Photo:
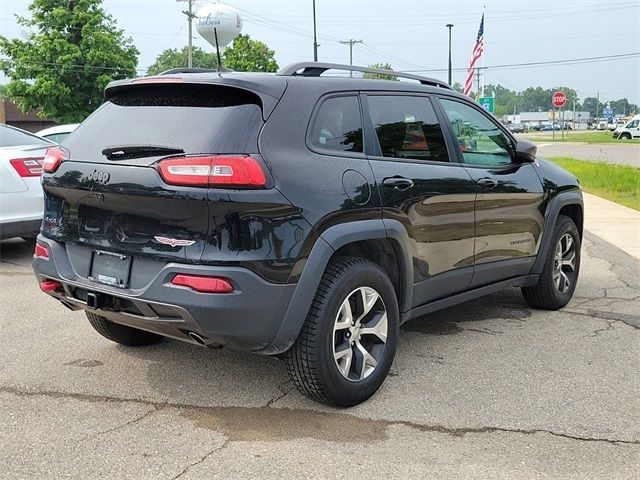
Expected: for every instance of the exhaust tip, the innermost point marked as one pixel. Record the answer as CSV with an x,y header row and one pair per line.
x,y
196,338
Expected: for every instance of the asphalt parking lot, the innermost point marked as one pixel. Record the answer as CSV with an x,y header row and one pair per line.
x,y
488,389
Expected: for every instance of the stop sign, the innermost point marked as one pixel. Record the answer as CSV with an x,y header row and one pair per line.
x,y
559,99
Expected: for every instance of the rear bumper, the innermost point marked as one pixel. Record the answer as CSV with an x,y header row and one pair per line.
x,y
24,228
247,319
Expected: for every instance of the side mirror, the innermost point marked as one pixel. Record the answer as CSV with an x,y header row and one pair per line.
x,y
526,151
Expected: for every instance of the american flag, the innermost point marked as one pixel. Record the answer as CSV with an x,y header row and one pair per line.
x,y
475,56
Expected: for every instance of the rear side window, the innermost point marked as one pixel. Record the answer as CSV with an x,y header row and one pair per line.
x,y
337,127
194,118
407,127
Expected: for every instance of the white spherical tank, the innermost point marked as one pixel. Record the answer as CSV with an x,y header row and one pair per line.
x,y
219,19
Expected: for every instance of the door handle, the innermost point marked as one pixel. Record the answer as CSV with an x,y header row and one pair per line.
x,y
399,183
488,183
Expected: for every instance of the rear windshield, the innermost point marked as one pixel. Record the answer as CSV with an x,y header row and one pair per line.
x,y
194,118
10,137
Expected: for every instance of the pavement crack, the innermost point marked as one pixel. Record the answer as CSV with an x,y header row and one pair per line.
x,y
460,432
202,459
285,387
319,418
609,317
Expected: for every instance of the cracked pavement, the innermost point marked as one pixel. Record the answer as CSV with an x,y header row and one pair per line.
x,y
487,389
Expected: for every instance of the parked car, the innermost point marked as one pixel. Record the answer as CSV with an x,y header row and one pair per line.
x,y
517,128
21,200
58,133
310,219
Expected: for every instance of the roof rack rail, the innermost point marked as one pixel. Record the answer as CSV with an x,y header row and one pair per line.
x,y
173,71
315,69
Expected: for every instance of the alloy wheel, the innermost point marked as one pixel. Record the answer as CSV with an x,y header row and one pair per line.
x,y
564,263
360,334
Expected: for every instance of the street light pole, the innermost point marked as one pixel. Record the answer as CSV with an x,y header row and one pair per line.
x,y
449,26
315,40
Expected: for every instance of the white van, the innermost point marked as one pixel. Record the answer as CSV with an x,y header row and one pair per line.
x,y
630,130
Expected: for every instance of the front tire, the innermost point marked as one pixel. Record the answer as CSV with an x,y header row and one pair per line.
x,y
132,337
348,341
561,268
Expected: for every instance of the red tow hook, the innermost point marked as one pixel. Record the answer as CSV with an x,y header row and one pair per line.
x,y
50,286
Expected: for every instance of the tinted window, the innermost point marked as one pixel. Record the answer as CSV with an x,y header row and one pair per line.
x,y
481,140
10,137
407,127
195,118
338,125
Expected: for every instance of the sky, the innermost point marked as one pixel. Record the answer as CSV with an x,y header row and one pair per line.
x,y
411,35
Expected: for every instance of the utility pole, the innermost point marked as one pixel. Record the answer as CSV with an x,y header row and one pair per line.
x,y
315,39
190,16
351,42
449,26
478,81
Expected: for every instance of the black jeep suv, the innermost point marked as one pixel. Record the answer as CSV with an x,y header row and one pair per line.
x,y
298,214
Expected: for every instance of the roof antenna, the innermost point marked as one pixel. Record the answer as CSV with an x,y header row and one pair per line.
x,y
220,67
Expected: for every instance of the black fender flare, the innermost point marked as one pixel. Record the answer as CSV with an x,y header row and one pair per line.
x,y
573,197
327,244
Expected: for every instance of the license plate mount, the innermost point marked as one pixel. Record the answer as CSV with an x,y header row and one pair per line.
x,y
110,268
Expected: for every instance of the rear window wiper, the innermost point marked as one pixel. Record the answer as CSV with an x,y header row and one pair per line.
x,y
120,152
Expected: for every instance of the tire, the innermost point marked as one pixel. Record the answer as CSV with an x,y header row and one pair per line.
x,y
122,334
552,291
625,136
349,284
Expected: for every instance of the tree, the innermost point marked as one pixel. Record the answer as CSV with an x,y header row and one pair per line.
x,y
174,58
247,55
380,66
73,49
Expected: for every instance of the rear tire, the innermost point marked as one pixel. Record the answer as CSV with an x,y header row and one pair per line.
x,y
561,268
348,341
122,334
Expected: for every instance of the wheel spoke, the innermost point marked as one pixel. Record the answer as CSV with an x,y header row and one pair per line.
x,y
564,282
344,358
568,243
369,299
345,316
570,260
377,327
366,362
556,280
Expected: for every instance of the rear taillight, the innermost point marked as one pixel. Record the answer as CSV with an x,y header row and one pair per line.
x,y
53,158
203,284
28,167
41,251
214,171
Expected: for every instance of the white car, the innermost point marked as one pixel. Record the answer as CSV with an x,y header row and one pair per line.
x,y
21,199
58,133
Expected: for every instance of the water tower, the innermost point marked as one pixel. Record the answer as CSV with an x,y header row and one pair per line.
x,y
218,24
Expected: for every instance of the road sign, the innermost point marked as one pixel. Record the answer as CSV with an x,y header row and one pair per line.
x,y
559,99
488,103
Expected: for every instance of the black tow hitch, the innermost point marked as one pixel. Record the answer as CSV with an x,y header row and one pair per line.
x,y
98,300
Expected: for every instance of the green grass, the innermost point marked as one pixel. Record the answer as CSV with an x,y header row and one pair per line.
x,y
618,183
585,137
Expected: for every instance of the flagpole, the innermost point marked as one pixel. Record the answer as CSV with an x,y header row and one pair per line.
x,y
484,48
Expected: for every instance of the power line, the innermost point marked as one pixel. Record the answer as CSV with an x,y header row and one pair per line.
x,y
570,61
